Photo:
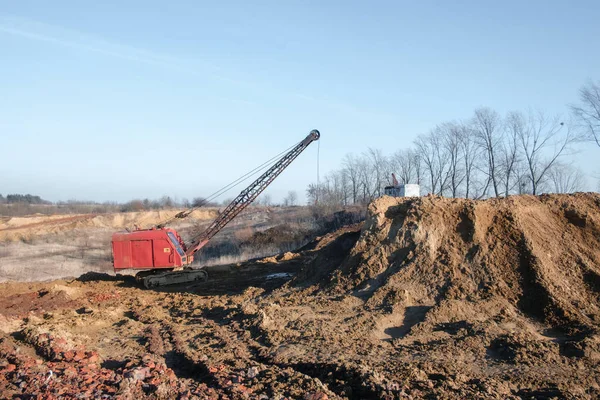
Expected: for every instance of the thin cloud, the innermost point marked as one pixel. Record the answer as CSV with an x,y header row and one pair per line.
x,y
59,36
76,40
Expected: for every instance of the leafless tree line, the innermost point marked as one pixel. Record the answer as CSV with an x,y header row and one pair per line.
x,y
488,155
587,111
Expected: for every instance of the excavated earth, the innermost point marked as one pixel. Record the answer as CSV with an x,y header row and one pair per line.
x,y
430,298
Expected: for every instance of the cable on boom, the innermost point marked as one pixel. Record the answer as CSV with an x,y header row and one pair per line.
x,y
224,189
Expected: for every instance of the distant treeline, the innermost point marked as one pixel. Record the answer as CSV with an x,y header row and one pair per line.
x,y
165,202
22,198
13,205
133,205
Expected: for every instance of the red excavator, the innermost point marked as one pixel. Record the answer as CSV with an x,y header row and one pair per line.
x,y
159,253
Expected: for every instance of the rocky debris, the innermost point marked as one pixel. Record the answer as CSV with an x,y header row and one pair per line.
x,y
316,396
252,372
80,374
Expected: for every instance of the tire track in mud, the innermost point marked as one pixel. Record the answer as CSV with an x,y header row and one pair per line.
x,y
210,349
343,380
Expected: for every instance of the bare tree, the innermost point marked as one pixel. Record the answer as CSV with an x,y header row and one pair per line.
x,y
587,112
566,178
470,154
543,141
486,124
514,126
366,179
334,190
387,172
378,165
352,171
405,165
596,176
265,199
424,149
312,193
523,186
166,202
291,198
346,188
452,146
434,158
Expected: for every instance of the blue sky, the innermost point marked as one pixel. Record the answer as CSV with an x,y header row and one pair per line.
x,y
117,100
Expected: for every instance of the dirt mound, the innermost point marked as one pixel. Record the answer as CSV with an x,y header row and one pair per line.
x,y
535,256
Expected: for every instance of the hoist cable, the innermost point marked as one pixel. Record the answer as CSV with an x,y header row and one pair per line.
x,y
229,186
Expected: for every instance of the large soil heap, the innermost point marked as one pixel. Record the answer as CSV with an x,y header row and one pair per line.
x,y
535,258
432,297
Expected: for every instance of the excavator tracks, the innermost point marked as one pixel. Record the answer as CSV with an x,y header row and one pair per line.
x,y
172,278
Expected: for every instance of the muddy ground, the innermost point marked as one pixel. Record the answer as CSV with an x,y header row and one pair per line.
x,y
430,298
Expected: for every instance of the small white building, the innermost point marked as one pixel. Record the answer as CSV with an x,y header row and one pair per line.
x,y
403,190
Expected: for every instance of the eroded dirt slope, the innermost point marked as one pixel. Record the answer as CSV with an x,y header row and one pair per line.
x,y
433,298
26,228
538,257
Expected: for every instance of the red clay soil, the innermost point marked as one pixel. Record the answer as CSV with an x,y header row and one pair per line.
x,y
431,298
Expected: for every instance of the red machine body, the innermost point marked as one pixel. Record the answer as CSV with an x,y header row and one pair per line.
x,y
149,249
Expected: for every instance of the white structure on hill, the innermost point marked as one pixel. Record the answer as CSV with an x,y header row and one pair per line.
x,y
402,190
